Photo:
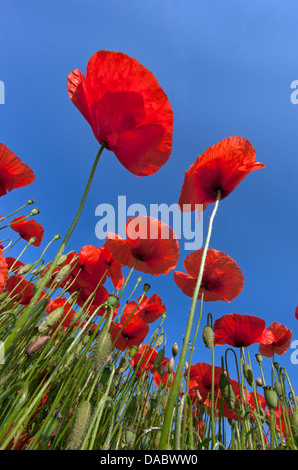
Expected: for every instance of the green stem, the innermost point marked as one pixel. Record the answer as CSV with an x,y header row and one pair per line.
x,y
176,384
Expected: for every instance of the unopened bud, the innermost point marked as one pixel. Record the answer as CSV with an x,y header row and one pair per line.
x,y
208,336
175,349
248,374
259,382
146,287
259,358
171,365
270,396
34,211
158,359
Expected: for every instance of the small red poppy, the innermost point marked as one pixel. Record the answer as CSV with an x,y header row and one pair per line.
x,y
150,242
3,271
296,313
131,334
28,229
280,342
240,330
13,172
126,109
20,287
222,277
221,167
145,359
148,309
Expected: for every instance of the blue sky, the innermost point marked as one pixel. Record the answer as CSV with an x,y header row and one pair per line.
x,y
227,69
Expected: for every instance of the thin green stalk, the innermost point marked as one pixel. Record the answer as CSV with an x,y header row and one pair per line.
x,y
176,384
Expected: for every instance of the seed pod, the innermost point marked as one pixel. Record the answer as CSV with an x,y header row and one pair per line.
x,y
51,320
80,425
37,344
133,351
158,359
146,288
51,426
227,390
102,347
208,336
62,273
112,300
248,374
270,396
175,349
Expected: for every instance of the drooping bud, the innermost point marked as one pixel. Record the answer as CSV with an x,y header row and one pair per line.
x,y
159,341
102,347
227,390
51,320
158,359
146,288
34,211
51,426
278,388
248,374
208,336
62,273
171,365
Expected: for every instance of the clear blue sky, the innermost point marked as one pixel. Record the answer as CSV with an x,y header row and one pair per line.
x,y
227,68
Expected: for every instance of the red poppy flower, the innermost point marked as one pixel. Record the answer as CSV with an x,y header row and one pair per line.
x,y
28,229
13,172
296,313
148,309
222,277
12,261
222,166
99,295
240,330
89,270
132,334
154,245
114,271
145,359
158,379
68,312
20,287
126,109
280,343
3,271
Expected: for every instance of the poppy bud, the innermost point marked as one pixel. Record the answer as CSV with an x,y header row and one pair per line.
x,y
37,284
51,320
159,341
146,287
259,382
158,359
51,425
130,436
25,269
57,237
61,260
259,358
248,374
208,336
227,390
105,376
294,425
278,388
62,273
276,366
171,365
161,370
80,425
270,396
175,349
101,349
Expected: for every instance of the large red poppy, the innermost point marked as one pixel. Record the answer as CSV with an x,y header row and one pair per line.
x,y
240,330
222,277
280,342
221,167
3,271
150,242
126,109
130,334
28,229
13,172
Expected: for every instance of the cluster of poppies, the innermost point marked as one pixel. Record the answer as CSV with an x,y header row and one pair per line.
x,y
130,115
